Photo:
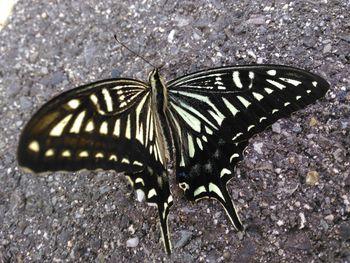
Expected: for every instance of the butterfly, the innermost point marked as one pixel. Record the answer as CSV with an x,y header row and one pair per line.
x,y
200,122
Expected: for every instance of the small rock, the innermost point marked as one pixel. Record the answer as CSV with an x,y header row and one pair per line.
x,y
327,48
344,231
313,122
276,127
298,241
312,178
324,224
104,189
329,218
184,239
132,242
338,155
257,147
302,220
25,103
115,73
256,20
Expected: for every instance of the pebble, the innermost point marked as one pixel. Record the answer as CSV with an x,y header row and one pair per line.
x,y
344,231
312,178
313,122
327,48
132,242
184,239
276,127
329,218
256,20
257,147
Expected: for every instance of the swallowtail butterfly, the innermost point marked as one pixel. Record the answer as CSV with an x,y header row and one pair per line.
x,y
202,121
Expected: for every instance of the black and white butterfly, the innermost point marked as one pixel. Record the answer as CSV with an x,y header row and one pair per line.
x,y
202,121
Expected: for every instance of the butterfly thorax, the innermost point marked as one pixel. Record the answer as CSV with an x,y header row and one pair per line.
x,y
159,91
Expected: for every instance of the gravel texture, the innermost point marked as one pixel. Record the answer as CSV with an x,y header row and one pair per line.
x,y
292,189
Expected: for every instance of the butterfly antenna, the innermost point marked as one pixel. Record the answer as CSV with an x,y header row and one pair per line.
x,y
134,53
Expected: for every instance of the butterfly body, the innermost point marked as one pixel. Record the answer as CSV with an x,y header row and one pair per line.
x,y
202,122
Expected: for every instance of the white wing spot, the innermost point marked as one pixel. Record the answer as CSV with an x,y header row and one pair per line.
x,y
233,156
128,128
225,171
204,138
130,181
124,160
274,111
58,129
291,81
90,126
209,131
308,91
298,97
199,142
34,146
245,102
214,188
184,186
276,84
151,193
49,153
237,135
104,128
66,153
271,72
108,99
250,127
116,130
236,79
199,190
268,90
251,76
231,108
84,154
139,180
314,83
182,162
94,99
77,123
258,96
286,104
113,157
262,118
137,163
191,149
74,103
99,155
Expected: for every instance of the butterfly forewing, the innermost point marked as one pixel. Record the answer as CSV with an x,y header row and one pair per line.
x,y
215,112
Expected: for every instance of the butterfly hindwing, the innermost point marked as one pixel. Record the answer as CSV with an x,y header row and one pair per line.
x,y
215,112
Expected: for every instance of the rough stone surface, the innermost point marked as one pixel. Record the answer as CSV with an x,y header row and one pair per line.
x,y
51,46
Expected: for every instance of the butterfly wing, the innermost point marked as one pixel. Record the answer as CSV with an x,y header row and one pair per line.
x,y
214,113
106,125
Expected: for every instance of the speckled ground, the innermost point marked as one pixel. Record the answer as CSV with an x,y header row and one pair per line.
x,y
51,46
